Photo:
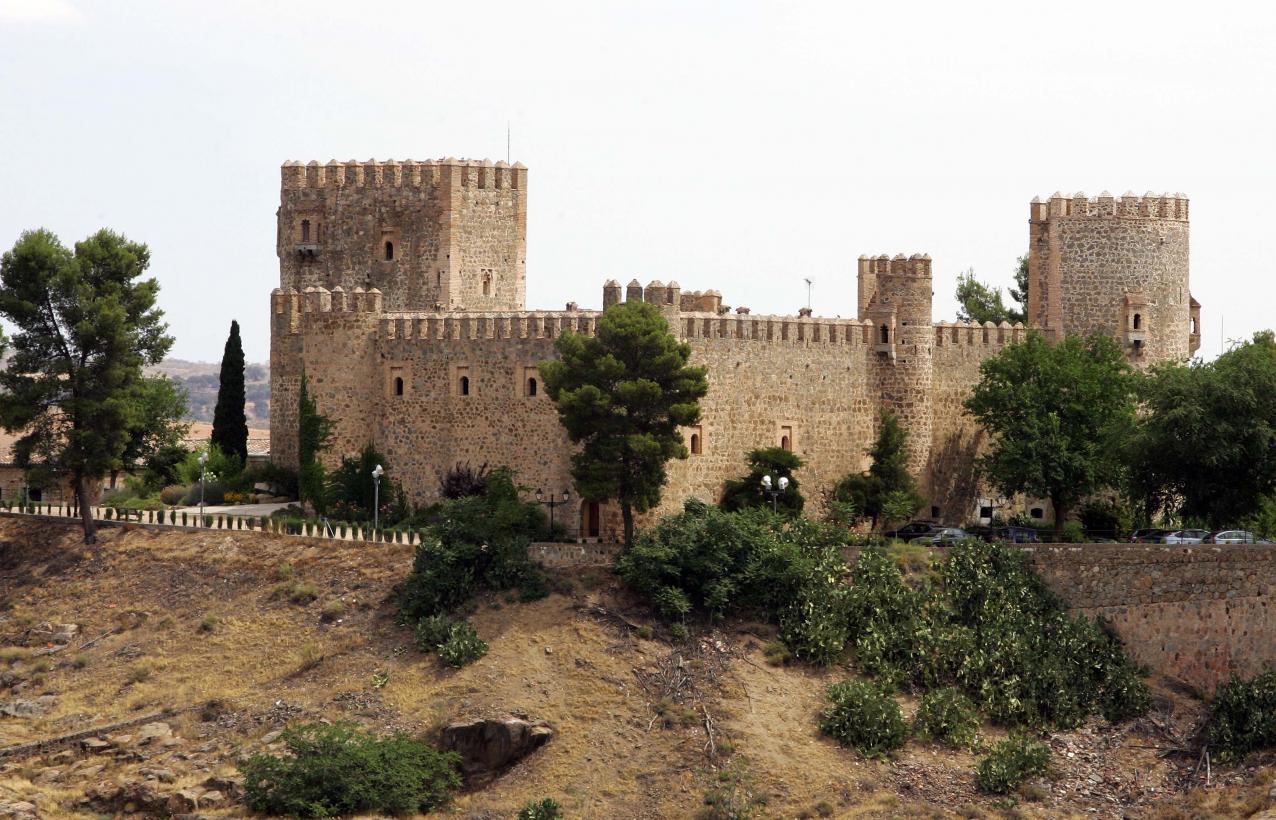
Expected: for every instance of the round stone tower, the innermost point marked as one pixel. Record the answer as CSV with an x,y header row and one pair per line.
x,y
1117,266
900,308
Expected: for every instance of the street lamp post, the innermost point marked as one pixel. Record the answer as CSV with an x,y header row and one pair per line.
x,y
774,489
203,465
551,501
377,472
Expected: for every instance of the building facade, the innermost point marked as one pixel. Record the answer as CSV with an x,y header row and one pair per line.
x,y
401,298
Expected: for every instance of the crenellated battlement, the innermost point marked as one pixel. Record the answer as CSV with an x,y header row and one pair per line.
x,y
798,329
916,265
974,334
1129,206
431,173
537,324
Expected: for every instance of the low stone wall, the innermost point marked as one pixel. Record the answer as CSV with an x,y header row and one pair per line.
x,y
564,556
1195,612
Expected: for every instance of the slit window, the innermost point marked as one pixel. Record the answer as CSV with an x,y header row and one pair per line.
x,y
389,251
1138,322
885,333
305,230
531,386
398,385
464,385
695,444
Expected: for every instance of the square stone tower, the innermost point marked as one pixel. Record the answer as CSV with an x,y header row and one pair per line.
x,y
446,235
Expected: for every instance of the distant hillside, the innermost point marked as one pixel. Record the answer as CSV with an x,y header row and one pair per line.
x,y
201,379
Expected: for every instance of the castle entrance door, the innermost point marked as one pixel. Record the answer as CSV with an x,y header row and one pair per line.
x,y
589,524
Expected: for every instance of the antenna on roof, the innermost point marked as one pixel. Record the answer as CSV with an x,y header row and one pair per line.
x,y
808,292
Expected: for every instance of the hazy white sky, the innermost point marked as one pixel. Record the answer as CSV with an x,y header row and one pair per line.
x,y
741,146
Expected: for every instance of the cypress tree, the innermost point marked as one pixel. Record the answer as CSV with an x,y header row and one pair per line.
x,y
230,425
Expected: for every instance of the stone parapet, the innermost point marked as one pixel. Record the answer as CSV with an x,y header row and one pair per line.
x,y
973,334
1149,206
430,173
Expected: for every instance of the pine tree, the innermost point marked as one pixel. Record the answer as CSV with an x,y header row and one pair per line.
x,y
230,425
85,324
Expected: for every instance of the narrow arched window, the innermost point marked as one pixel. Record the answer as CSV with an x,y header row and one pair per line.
x,y
531,387
305,230
465,385
886,334
1196,326
398,385
784,443
695,444
487,284
1138,321
389,251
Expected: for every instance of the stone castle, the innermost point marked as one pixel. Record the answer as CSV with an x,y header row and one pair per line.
x,y
401,297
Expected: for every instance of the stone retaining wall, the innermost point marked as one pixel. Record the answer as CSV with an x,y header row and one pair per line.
x,y
1196,612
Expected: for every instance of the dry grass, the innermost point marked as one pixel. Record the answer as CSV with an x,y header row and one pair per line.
x,y
610,759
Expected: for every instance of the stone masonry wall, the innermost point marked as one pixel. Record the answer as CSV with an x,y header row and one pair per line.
x,y
1196,612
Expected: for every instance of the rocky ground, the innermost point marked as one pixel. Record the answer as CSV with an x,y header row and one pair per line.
x,y
135,673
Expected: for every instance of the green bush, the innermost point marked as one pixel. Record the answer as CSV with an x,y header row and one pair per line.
x,y
716,563
333,770
546,809
173,494
214,494
432,631
947,716
745,493
472,543
1243,715
864,716
1072,532
1011,762
989,626
462,646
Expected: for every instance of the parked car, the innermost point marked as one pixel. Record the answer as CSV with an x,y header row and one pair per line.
x,y
1184,537
1148,536
1017,535
946,535
1234,537
914,530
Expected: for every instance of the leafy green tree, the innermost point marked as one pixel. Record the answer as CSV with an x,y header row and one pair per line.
x,y
314,433
742,493
230,425
887,491
1056,413
980,302
85,326
1020,291
159,429
350,493
622,395
1205,447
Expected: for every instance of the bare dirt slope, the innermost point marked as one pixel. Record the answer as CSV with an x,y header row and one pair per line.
x,y
246,632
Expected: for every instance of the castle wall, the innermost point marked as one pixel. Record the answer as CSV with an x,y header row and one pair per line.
x,y
773,379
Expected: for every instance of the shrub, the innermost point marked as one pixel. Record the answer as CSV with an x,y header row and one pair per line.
x,y
462,645
545,809
743,493
864,716
716,563
472,543
336,769
214,493
1011,762
1072,532
1243,715
463,481
432,631
948,716
350,492
332,610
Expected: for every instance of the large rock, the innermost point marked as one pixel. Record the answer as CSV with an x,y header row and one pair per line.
x,y
490,746
50,633
28,708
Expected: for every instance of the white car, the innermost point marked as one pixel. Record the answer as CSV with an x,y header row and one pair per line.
x,y
1185,537
1235,537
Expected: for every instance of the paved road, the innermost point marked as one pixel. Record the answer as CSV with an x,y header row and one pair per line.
x,y
250,510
